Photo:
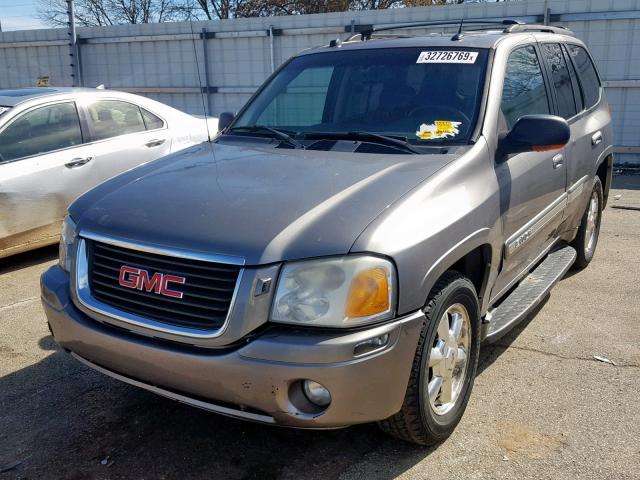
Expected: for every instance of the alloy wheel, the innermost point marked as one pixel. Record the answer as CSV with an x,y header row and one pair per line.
x,y
449,359
591,232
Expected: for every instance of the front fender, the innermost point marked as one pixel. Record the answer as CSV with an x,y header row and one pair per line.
x,y
437,223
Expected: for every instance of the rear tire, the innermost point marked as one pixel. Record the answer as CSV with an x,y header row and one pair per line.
x,y
587,237
444,366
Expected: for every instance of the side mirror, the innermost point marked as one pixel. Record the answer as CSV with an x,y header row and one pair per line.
x,y
224,120
535,133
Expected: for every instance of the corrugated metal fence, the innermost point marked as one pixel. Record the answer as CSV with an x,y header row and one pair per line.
x,y
228,59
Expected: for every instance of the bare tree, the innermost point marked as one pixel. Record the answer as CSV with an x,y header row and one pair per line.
x,y
219,8
264,8
112,12
261,8
424,3
96,13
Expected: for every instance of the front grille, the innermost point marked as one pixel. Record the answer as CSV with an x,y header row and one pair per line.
x,y
207,290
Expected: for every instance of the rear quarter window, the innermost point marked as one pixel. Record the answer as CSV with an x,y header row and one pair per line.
x,y
151,121
589,79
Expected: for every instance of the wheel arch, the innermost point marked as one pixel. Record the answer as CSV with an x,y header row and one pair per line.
x,y
473,257
604,171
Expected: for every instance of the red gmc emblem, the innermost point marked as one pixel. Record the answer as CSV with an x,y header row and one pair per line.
x,y
139,279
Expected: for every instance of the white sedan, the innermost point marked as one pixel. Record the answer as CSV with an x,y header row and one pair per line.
x,y
57,143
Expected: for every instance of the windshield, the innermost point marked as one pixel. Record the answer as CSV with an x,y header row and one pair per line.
x,y
424,96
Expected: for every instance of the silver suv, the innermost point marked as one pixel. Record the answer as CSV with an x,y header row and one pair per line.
x,y
338,254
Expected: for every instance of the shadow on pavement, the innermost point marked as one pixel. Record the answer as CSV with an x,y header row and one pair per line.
x,y
28,259
60,419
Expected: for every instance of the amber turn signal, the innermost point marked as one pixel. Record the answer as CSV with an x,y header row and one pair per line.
x,y
369,294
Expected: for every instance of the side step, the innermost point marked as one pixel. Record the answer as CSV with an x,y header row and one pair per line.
x,y
529,293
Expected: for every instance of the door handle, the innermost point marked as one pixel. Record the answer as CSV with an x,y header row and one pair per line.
x,y
558,161
78,162
155,143
596,138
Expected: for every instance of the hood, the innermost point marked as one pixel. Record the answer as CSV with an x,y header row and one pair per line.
x,y
261,203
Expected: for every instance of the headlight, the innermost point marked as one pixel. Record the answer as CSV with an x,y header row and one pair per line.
x,y
335,292
67,237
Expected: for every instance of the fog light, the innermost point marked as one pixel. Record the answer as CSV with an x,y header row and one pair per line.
x,y
316,393
371,345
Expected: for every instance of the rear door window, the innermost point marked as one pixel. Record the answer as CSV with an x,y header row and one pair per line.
x,y
524,91
561,79
41,130
112,118
587,73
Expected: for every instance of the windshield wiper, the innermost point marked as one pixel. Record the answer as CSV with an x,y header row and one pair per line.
x,y
366,137
279,134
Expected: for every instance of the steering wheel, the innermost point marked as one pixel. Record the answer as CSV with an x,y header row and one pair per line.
x,y
431,113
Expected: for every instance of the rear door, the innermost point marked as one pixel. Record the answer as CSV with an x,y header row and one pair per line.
x,y
532,184
44,166
590,129
124,136
568,105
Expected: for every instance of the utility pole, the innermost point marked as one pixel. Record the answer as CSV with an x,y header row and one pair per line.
x,y
74,53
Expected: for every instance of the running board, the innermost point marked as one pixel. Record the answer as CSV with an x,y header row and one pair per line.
x,y
528,294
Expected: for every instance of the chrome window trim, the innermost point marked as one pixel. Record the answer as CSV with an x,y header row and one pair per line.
x,y
83,291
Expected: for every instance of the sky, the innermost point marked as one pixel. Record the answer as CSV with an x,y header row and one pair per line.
x,y
19,15
23,15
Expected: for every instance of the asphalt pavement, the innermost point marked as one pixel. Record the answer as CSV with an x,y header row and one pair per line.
x,y
558,397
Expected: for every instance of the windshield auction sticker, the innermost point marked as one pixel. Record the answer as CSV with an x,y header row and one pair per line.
x,y
438,129
447,56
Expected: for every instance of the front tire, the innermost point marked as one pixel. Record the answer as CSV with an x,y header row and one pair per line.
x,y
587,237
444,366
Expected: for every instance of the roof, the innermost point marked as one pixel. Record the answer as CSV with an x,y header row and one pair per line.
x,y
469,38
11,98
484,40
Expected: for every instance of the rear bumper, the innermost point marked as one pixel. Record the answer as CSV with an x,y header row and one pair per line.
x,y
259,380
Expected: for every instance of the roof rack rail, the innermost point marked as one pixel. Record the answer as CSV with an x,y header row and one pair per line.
x,y
537,28
366,34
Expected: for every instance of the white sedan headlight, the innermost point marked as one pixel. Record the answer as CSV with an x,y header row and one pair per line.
x,y
67,238
335,292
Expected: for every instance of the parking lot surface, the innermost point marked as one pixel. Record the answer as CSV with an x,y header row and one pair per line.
x,y
543,405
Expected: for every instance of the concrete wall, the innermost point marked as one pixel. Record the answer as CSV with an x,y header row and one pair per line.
x,y
173,63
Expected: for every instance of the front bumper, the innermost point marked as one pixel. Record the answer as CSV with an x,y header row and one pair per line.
x,y
258,380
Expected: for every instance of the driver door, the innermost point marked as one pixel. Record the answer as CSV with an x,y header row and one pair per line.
x,y
532,184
